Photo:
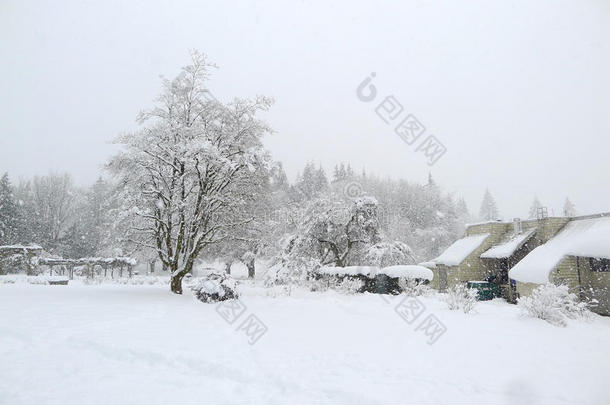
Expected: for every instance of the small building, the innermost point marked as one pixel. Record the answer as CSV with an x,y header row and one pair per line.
x,y
518,256
578,256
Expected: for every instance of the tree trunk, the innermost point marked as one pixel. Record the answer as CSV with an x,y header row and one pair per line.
x,y
251,269
228,268
176,284
176,281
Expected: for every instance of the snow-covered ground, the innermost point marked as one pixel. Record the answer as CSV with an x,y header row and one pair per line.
x,y
121,344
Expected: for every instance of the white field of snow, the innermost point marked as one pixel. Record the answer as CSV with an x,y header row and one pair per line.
x,y
120,344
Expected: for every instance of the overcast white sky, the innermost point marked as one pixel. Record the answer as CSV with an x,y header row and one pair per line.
x,y
518,91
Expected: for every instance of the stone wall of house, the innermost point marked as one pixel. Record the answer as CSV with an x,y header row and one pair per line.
x,y
473,268
566,273
589,286
525,289
571,271
549,227
476,269
595,286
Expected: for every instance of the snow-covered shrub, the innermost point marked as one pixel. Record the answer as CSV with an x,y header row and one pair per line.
x,y
215,287
554,304
321,284
333,240
387,254
461,297
348,285
341,284
414,287
289,272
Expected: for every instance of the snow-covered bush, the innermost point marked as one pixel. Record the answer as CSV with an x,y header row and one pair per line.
x,y
387,254
461,297
554,304
414,287
334,240
288,271
215,287
321,284
341,284
348,285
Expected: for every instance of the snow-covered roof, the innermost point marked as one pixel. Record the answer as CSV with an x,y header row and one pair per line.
x,y
493,221
585,238
429,265
509,247
408,271
349,271
460,250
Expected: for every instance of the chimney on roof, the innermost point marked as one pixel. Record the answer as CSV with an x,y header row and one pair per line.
x,y
517,225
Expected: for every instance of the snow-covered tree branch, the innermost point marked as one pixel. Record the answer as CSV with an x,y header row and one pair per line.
x,y
185,177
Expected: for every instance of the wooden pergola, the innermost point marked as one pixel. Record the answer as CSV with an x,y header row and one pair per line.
x,y
92,264
27,252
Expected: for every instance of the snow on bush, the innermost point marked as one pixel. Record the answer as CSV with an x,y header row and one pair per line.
x,y
554,304
461,297
414,288
348,285
215,287
386,254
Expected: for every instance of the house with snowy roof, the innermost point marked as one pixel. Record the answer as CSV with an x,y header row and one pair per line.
x,y
520,255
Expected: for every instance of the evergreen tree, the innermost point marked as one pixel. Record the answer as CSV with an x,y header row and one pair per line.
x,y
569,210
431,182
534,208
462,208
279,180
321,180
349,172
336,173
489,210
9,213
342,171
